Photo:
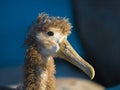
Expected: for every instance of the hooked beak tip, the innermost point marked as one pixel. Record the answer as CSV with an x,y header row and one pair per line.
x,y
68,53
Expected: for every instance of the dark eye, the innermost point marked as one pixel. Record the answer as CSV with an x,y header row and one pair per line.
x,y
50,33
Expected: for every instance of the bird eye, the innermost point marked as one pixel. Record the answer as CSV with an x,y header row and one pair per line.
x,y
50,33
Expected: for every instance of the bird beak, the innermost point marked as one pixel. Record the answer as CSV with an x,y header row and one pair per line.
x,y
68,53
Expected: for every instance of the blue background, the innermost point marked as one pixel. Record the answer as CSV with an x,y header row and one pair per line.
x,y
15,18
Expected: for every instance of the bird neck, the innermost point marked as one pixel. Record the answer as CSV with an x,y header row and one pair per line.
x,y
39,71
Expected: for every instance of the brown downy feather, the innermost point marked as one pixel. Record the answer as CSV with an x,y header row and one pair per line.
x,y
42,25
35,66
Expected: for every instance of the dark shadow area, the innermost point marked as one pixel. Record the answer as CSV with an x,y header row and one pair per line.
x,y
98,24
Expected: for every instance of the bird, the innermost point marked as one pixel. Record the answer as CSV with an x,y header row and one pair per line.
x,y
46,39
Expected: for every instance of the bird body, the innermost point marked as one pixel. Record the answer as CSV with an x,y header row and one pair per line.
x,y
39,71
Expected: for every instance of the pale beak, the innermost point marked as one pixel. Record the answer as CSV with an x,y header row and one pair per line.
x,y
68,53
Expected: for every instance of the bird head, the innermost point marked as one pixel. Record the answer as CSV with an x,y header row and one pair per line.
x,y
49,35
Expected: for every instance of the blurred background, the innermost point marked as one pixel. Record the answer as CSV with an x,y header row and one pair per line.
x,y
95,36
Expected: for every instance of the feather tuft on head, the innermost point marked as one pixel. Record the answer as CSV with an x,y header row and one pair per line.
x,y
44,22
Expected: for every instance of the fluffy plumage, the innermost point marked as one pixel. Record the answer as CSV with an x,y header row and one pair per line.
x,y
43,23
39,64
